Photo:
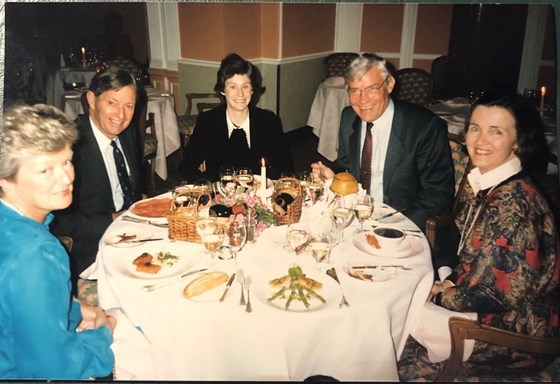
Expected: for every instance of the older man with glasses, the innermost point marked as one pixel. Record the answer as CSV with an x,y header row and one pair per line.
x,y
397,150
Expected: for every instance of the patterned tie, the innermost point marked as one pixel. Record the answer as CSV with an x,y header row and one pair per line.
x,y
238,139
365,165
123,176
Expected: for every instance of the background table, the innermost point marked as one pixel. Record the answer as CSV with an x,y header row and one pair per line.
x,y
162,104
191,340
331,98
55,83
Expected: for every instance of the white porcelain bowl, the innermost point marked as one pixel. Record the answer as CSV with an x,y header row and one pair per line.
x,y
389,237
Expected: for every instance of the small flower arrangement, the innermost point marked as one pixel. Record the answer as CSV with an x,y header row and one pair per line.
x,y
244,197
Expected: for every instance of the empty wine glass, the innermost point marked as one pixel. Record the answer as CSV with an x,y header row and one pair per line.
x,y
314,190
297,235
244,177
320,244
237,236
363,208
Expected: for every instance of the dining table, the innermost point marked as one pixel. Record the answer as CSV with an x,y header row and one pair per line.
x,y
162,335
65,77
162,104
324,116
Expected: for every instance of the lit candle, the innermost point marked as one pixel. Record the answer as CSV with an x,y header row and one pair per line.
x,y
263,175
84,55
543,94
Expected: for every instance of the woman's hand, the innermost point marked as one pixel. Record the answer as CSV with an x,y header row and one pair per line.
x,y
103,319
439,287
94,316
321,171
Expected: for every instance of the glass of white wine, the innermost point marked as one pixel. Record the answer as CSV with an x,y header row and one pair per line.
x,y
211,234
314,191
244,177
227,179
363,209
320,244
341,216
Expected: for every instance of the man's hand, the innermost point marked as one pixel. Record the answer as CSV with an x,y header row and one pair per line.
x,y
321,172
439,287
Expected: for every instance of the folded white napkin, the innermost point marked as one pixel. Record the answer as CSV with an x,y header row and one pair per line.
x,y
432,331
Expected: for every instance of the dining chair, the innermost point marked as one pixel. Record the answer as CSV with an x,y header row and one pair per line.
x,y
337,62
149,142
462,165
413,85
187,121
464,329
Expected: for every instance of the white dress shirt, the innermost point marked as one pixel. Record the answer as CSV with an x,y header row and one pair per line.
x,y
380,133
106,149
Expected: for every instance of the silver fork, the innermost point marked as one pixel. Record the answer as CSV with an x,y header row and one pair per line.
x,y
248,308
241,280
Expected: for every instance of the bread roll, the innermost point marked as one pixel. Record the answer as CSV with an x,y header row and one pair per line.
x,y
204,283
344,183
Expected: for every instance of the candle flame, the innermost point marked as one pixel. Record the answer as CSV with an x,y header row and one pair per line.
x,y
83,50
543,91
263,162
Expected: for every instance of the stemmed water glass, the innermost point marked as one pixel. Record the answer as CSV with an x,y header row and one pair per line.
x,y
237,236
227,179
363,208
297,235
314,190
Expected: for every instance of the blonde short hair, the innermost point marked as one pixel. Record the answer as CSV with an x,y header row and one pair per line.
x,y
32,130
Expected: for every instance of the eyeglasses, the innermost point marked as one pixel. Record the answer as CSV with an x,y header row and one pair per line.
x,y
371,91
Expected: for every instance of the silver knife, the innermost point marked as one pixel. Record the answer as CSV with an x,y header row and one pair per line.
x,y
230,281
153,287
134,241
390,214
142,221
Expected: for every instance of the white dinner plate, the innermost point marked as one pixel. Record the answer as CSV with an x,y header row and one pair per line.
x,y
377,274
379,211
114,237
122,263
213,294
330,291
410,246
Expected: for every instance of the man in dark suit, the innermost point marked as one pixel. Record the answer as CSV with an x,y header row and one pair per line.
x,y
100,194
237,133
408,164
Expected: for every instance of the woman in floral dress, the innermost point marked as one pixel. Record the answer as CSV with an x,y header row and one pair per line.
x,y
509,271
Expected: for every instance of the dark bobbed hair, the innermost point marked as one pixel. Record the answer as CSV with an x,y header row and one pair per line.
x,y
531,142
111,79
232,65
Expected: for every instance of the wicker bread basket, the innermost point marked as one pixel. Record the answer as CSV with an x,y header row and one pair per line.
x,y
292,212
185,212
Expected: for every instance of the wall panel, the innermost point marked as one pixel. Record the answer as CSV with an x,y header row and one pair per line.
x,y
382,28
307,28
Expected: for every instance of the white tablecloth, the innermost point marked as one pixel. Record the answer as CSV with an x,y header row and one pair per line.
x,y
55,83
454,112
211,340
162,104
324,116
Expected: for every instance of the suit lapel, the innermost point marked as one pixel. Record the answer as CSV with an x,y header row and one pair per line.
x,y
354,155
92,158
394,148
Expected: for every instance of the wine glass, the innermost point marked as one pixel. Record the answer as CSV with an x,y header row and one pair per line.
x,y
314,190
297,235
320,244
363,208
341,215
209,232
244,177
227,179
237,236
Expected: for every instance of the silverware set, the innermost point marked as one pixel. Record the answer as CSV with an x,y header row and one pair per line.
x,y
143,221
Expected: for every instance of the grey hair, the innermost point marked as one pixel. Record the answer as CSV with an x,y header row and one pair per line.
x,y
362,64
32,130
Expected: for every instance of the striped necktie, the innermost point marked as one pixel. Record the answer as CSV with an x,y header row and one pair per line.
x,y
365,164
124,180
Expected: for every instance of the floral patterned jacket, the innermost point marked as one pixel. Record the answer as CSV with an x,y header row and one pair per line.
x,y
509,268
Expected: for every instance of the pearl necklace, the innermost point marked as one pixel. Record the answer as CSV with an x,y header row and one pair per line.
x,y
465,232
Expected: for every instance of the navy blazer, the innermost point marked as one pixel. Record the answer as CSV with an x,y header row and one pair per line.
x,y
90,213
210,142
418,175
